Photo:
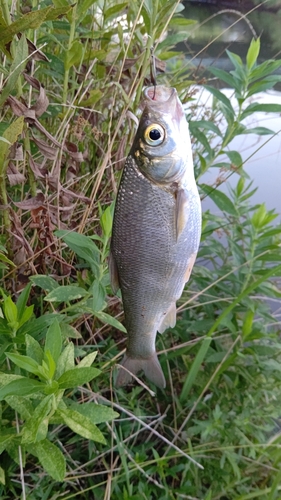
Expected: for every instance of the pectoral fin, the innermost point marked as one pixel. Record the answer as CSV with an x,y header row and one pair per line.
x,y
181,211
113,273
169,320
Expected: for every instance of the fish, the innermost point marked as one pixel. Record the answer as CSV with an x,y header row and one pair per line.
x,y
156,230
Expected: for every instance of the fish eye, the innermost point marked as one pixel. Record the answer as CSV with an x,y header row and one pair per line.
x,y
154,134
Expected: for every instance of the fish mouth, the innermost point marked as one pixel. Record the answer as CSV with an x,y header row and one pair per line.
x,y
165,100
160,93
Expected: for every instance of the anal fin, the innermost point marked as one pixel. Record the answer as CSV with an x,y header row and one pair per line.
x,y
169,320
190,266
113,273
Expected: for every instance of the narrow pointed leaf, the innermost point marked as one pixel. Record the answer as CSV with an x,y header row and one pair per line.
x,y
220,199
253,53
77,376
88,360
66,294
81,424
95,412
30,432
53,342
24,362
66,360
51,459
21,387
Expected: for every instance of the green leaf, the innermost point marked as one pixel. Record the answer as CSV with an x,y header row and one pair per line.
x,y
21,387
69,331
225,77
259,217
106,221
24,362
33,349
195,367
6,437
263,85
220,199
74,56
206,125
200,356
17,67
51,365
93,97
10,311
238,64
220,97
248,324
6,378
20,404
77,376
66,294
271,365
110,13
95,412
31,430
215,357
58,12
83,246
11,134
201,137
265,108
259,131
3,257
45,282
99,293
109,320
31,20
22,300
25,317
38,326
88,360
2,476
51,459
266,68
80,424
253,53
66,360
235,158
53,342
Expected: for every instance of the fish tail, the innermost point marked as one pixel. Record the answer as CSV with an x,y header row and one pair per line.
x,y
150,366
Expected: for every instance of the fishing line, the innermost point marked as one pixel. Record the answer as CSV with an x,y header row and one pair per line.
x,y
153,71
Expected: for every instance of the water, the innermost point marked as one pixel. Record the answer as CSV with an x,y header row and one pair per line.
x,y
264,152
261,154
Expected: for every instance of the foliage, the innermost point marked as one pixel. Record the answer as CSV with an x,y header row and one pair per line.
x,y
71,79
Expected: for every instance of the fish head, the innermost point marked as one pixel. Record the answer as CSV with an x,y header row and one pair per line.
x,y
162,147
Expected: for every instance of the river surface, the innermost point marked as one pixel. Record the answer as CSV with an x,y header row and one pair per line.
x,y
218,28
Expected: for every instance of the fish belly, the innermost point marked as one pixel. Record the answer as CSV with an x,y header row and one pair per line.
x,y
151,263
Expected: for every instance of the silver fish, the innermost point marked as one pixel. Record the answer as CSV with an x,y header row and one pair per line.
x,y
156,229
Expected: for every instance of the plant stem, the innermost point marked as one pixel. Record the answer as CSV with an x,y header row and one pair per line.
x,y
4,199
31,176
6,12
70,41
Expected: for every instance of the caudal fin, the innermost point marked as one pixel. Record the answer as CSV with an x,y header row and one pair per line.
x,y
150,366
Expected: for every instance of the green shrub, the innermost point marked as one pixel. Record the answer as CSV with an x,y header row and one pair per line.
x,y
72,77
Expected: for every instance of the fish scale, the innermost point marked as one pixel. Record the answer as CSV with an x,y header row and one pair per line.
x,y
149,261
